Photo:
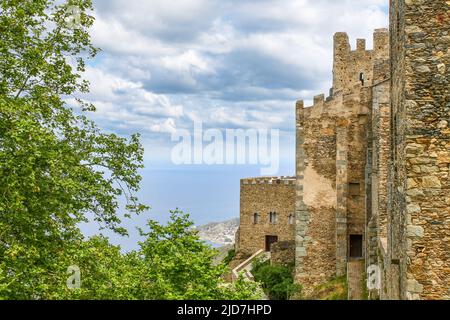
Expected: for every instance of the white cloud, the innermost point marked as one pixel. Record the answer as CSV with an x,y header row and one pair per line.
x,y
189,61
126,105
235,63
167,126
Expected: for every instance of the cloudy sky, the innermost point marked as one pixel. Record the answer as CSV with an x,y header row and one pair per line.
x,y
228,63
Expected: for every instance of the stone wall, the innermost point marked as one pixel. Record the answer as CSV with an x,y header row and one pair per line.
x,y
349,65
419,202
316,196
377,166
283,253
262,196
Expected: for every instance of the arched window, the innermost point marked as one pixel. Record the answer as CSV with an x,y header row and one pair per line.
x,y
256,218
273,217
291,219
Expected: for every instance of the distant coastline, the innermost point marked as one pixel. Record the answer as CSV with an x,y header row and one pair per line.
x,y
218,234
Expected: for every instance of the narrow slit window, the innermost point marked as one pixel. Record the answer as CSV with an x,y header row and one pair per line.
x,y
256,218
291,219
273,218
362,78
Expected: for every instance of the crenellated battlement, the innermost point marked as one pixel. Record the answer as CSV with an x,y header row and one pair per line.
x,y
319,99
283,180
381,43
343,48
361,45
353,67
354,71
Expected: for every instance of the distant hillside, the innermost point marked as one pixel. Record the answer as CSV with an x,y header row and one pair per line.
x,y
220,233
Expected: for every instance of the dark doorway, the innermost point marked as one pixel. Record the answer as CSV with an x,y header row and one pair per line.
x,y
269,241
356,246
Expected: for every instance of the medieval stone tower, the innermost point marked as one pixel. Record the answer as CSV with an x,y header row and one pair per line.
x,y
371,194
332,150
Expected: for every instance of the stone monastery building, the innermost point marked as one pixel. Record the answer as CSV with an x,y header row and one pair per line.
x,y
371,195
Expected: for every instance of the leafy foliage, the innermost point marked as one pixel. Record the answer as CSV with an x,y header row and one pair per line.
x,y
57,168
182,265
172,263
334,289
230,256
277,280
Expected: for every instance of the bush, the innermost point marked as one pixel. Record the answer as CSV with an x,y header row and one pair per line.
x,y
276,280
334,289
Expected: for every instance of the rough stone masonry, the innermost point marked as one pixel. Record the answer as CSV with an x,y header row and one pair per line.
x,y
372,179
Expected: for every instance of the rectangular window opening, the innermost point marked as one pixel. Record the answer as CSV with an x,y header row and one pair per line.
x,y
356,246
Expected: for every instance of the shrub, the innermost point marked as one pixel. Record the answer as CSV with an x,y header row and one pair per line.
x,y
276,280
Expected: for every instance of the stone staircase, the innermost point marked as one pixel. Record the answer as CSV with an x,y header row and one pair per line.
x,y
355,274
245,268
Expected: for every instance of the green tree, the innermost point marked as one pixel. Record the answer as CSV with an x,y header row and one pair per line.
x,y
56,166
106,272
180,265
172,263
57,169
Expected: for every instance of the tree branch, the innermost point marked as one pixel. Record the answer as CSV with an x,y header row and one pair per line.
x,y
48,51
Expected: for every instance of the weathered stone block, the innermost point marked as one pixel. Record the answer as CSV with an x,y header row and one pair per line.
x,y
413,286
413,208
300,251
431,182
414,231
